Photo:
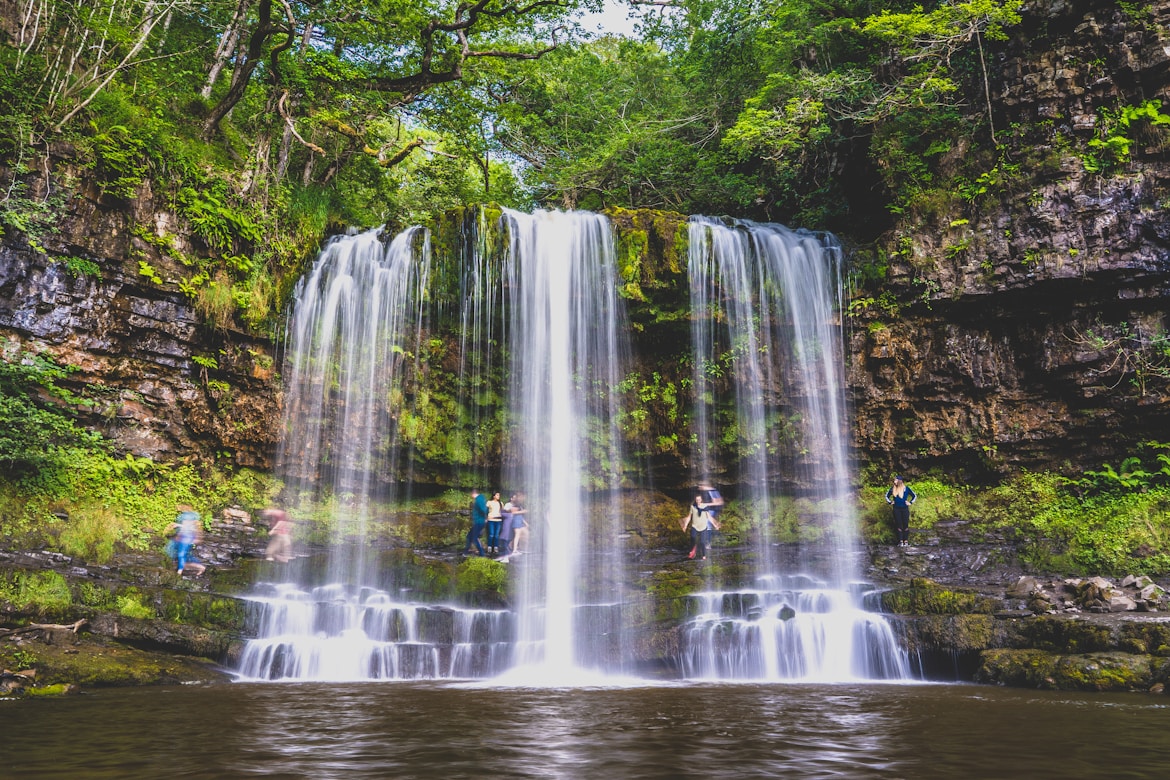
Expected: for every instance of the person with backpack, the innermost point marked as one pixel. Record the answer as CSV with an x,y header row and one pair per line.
x,y
708,499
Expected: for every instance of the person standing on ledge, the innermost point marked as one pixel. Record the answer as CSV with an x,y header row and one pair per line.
x,y
495,522
901,498
479,513
700,521
279,535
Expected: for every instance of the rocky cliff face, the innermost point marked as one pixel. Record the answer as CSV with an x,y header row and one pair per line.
x,y
1021,324
1030,317
134,341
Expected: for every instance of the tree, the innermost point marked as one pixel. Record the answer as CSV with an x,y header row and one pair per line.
x,y
383,57
602,124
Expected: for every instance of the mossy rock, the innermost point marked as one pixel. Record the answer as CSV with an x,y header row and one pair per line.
x,y
162,635
949,633
660,239
651,519
1063,635
209,610
670,590
1146,637
56,689
1085,672
430,531
424,577
482,582
926,597
95,661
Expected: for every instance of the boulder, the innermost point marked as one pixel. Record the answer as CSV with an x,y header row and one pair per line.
x,y
1024,587
1119,602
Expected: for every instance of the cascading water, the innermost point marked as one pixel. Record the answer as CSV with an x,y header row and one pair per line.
x,y
542,309
357,318
336,633
358,315
566,352
766,303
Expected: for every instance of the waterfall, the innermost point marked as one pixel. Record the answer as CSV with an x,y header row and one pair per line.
x,y
765,329
356,321
331,633
566,353
542,356
550,296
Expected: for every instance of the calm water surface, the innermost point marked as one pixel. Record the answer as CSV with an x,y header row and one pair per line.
x,y
444,730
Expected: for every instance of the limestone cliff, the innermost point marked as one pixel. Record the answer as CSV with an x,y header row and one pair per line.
x,y
133,337
1030,314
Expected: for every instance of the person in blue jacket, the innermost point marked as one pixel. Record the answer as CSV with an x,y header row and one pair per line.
x,y
901,498
479,516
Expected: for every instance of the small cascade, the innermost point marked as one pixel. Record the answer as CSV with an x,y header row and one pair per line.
x,y
796,629
335,634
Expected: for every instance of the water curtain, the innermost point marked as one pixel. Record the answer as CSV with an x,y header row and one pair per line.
x,y
356,321
536,301
767,344
566,351
549,293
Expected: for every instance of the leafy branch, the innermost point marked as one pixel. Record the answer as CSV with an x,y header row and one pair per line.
x,y
1130,353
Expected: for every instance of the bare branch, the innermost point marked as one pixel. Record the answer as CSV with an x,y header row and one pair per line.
x,y
288,120
147,28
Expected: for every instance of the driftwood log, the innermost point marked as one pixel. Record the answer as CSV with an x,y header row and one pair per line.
x,y
31,627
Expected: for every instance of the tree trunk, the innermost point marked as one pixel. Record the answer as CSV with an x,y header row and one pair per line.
x,y
243,72
287,136
227,43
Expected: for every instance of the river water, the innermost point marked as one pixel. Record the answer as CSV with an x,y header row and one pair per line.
x,y
454,730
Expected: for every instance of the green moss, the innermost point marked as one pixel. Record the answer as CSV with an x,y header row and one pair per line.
x,y
208,610
926,597
482,581
105,663
90,594
950,633
664,237
131,604
1089,672
425,577
670,590
44,593
57,689
633,246
1146,637
1103,672
1065,636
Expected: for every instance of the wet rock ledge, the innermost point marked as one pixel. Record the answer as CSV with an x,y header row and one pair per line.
x,y
67,625
964,611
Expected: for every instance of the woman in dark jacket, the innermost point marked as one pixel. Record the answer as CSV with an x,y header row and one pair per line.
x,y
901,497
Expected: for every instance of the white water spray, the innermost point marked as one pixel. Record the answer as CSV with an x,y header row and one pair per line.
x,y
545,310
766,303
